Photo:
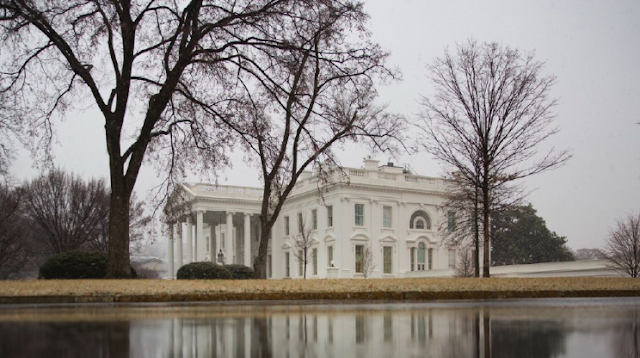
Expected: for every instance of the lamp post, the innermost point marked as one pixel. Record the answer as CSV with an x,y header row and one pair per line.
x,y
220,257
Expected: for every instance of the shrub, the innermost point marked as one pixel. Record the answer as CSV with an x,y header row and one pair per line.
x,y
203,271
76,265
240,272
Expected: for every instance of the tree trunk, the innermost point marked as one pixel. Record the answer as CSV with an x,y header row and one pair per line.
x,y
306,259
485,215
260,262
476,233
118,265
486,248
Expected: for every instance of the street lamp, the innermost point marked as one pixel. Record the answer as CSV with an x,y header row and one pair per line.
x,y
220,257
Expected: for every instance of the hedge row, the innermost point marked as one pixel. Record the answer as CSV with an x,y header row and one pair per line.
x,y
211,271
76,265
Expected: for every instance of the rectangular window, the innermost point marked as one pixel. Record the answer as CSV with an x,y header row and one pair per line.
x,y
208,243
314,256
314,219
329,216
430,257
386,216
451,221
359,214
386,256
286,226
300,224
413,259
359,258
452,259
287,268
300,262
269,272
330,256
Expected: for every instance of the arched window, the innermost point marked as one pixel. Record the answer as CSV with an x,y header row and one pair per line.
x,y
420,220
421,256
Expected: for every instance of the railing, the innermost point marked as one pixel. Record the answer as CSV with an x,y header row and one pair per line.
x,y
230,189
361,173
387,176
418,179
357,173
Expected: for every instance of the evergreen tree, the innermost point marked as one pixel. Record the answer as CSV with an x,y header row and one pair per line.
x,y
519,236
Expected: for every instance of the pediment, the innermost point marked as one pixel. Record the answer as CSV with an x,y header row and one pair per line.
x,y
389,239
360,237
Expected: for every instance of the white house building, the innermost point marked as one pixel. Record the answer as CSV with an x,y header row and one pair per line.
x,y
383,212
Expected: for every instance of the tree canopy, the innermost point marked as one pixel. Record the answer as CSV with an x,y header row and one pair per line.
x,y
521,237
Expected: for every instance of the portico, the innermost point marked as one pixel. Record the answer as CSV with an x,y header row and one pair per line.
x,y
226,226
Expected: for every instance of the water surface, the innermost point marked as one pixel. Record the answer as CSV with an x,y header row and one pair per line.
x,y
506,328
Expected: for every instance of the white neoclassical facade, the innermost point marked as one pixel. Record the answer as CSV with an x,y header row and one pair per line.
x,y
381,210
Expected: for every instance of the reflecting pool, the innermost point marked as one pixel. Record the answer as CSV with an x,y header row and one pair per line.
x,y
506,328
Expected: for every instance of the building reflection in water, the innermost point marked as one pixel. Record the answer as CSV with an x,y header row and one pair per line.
x,y
407,330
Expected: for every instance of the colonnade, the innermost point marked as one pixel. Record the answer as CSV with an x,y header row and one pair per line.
x,y
196,247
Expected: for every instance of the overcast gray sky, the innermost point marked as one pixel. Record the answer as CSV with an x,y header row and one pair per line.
x,y
593,47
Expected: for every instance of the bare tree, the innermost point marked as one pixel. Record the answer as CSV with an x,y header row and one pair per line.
x,y
302,244
308,98
367,262
490,112
14,245
150,67
623,245
65,212
465,264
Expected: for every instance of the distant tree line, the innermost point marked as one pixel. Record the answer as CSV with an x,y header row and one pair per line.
x,y
54,213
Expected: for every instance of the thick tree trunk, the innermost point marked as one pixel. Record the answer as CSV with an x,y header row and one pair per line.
x,y
118,265
260,262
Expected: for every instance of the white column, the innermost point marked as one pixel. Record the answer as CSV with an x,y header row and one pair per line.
x,y
218,230
170,251
247,240
228,255
189,240
179,245
212,241
200,244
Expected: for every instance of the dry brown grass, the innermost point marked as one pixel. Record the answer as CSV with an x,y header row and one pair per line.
x,y
55,291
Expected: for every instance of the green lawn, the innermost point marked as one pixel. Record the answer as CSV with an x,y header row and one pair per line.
x,y
75,291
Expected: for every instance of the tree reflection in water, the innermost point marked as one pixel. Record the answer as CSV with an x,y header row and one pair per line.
x,y
627,338
370,330
521,338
